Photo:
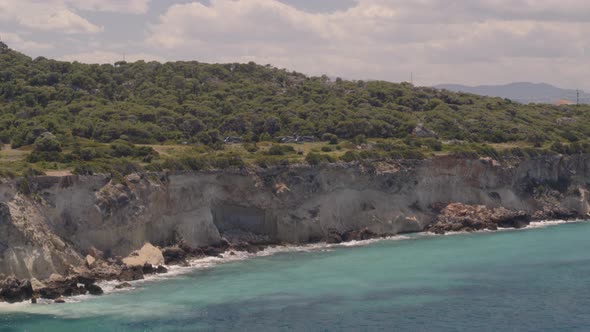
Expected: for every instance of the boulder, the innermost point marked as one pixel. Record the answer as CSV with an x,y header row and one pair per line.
x,y
161,269
174,256
148,254
131,273
59,300
94,289
54,277
333,236
213,251
85,279
243,246
95,253
90,261
36,284
55,290
148,269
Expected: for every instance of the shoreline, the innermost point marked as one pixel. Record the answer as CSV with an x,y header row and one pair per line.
x,y
207,262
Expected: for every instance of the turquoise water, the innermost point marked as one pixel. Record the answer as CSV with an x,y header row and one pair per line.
x,y
531,280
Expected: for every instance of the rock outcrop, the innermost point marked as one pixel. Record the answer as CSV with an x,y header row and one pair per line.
x,y
14,290
458,217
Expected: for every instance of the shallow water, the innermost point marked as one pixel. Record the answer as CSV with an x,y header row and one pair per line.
x,y
526,280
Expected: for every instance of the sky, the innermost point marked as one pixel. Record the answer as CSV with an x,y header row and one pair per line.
x,y
439,41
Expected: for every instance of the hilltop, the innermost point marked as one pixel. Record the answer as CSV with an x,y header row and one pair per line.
x,y
129,116
523,92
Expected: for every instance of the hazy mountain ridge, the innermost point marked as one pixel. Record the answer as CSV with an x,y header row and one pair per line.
x,y
523,92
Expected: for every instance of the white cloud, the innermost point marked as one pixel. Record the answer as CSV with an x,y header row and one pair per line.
x,y
387,39
49,15
118,6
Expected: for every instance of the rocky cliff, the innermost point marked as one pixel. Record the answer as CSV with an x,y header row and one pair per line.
x,y
59,220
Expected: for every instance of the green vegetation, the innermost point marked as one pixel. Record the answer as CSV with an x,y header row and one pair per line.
x,y
57,116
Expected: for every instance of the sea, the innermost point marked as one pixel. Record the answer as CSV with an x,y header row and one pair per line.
x,y
535,279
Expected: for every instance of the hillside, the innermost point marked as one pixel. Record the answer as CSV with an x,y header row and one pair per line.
x,y
522,92
128,116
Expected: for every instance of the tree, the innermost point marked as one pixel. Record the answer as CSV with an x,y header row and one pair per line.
x,y
47,142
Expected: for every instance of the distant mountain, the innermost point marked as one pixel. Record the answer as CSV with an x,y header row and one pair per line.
x,y
523,92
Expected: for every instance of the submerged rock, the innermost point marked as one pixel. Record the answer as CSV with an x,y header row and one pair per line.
x,y
123,285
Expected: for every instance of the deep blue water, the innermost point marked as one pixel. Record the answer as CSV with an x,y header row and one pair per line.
x,y
527,280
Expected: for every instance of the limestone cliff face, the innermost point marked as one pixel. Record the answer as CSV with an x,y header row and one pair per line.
x,y
50,230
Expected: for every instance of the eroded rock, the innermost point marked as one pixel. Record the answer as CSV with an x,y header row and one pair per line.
x,y
457,217
94,289
13,290
131,273
148,254
174,255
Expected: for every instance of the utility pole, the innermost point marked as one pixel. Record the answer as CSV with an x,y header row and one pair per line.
x,y
577,96
412,78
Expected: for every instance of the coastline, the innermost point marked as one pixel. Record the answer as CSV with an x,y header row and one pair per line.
x,y
71,232
208,262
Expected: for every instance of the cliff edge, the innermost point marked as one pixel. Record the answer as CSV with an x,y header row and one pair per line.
x,y
54,226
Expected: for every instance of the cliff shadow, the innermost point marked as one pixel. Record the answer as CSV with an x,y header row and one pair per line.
x,y
244,223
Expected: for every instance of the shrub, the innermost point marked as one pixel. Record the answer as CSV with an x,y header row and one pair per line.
x,y
350,156
83,169
359,139
270,161
333,139
280,150
227,161
192,163
47,142
313,158
252,148
124,149
38,156
433,144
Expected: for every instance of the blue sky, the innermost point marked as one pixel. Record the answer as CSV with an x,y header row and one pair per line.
x,y
440,41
